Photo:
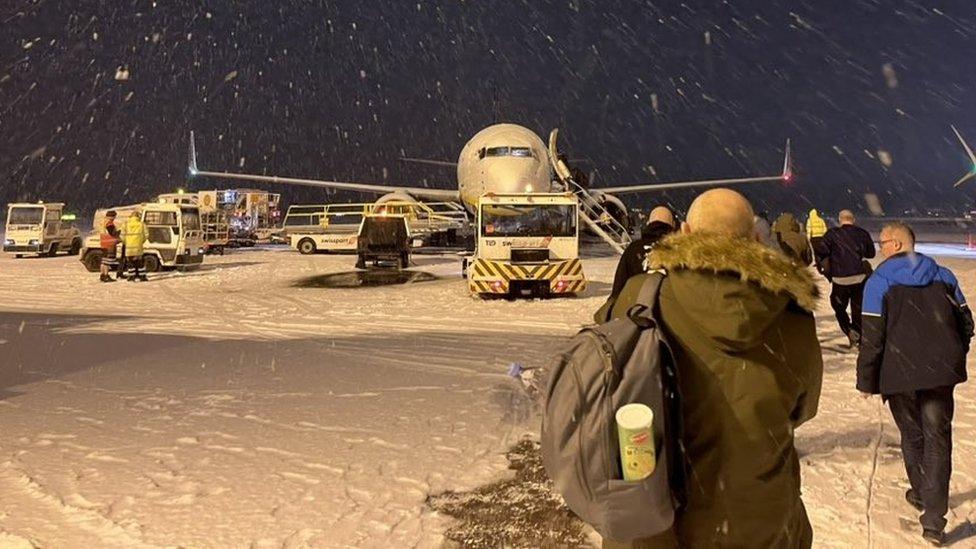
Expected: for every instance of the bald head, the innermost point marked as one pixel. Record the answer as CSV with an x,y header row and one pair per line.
x,y
661,214
897,238
721,211
846,217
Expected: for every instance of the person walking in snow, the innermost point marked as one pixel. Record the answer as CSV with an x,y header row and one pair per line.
x,y
846,249
787,237
134,236
660,223
917,331
816,229
738,316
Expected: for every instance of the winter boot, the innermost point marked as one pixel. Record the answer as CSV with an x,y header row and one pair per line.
x,y
936,538
143,278
106,278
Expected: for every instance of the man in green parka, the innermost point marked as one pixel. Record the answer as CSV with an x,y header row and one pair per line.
x,y
738,316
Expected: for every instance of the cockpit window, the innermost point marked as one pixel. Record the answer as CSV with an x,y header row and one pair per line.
x,y
521,152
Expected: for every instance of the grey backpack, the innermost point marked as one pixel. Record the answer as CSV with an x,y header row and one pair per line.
x,y
623,361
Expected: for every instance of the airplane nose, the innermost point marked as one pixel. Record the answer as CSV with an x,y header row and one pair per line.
x,y
514,175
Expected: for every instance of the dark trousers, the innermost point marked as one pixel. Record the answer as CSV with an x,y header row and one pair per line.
x,y
840,297
925,421
133,265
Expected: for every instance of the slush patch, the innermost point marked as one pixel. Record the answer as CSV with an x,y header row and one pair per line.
x,y
521,512
370,278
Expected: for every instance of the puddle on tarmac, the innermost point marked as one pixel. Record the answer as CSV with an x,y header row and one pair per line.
x,y
371,278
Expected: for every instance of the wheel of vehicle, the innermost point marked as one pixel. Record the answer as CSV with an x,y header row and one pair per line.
x,y
360,263
151,263
53,250
92,260
18,256
306,246
75,247
404,260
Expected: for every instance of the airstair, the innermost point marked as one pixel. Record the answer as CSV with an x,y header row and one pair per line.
x,y
591,211
598,219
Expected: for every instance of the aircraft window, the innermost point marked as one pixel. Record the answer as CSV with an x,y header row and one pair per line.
x,y
521,152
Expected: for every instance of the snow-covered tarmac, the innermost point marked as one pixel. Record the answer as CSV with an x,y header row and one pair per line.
x,y
242,405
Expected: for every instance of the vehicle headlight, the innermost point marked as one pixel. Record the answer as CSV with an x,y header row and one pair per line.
x,y
199,251
33,242
9,242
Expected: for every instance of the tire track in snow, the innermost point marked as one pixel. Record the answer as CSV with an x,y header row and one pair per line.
x,y
106,531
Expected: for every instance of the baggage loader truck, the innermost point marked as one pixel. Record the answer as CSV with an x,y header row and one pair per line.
x,y
42,228
527,246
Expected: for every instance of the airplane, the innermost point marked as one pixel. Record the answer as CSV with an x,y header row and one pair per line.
x,y
972,158
502,158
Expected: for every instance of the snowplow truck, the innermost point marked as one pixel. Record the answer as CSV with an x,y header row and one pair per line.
x,y
42,228
175,236
527,246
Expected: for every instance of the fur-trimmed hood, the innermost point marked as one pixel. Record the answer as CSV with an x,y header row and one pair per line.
x,y
733,290
749,260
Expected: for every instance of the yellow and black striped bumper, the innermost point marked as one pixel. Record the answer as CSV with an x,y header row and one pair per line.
x,y
495,277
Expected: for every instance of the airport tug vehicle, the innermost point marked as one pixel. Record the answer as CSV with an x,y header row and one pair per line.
x,y
42,228
175,236
527,246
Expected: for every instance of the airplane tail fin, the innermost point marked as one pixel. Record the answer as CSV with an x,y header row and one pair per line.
x,y
972,158
192,167
787,164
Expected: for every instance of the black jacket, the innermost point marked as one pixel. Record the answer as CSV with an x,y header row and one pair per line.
x,y
916,328
845,249
632,260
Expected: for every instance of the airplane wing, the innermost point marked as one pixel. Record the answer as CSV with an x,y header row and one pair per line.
x,y
972,158
784,177
444,195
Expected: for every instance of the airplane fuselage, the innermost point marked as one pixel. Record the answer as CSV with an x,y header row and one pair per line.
x,y
503,159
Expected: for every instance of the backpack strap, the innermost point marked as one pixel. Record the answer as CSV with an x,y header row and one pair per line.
x,y
642,312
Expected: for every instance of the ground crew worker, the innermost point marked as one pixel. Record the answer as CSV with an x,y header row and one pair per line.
x,y
816,229
108,240
134,235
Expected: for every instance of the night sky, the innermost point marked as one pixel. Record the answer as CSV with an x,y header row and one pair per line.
x,y
97,98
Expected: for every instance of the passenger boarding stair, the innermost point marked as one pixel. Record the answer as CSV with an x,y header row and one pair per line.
x,y
598,219
592,213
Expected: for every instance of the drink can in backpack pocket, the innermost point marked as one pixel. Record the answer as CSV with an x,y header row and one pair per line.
x,y
636,435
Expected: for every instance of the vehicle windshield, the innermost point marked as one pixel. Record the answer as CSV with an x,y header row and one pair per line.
x,y
25,216
523,220
191,219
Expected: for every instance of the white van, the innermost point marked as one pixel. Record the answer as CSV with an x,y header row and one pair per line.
x,y
175,236
41,228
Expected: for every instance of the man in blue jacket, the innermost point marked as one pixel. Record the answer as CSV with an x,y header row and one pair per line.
x,y
916,333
